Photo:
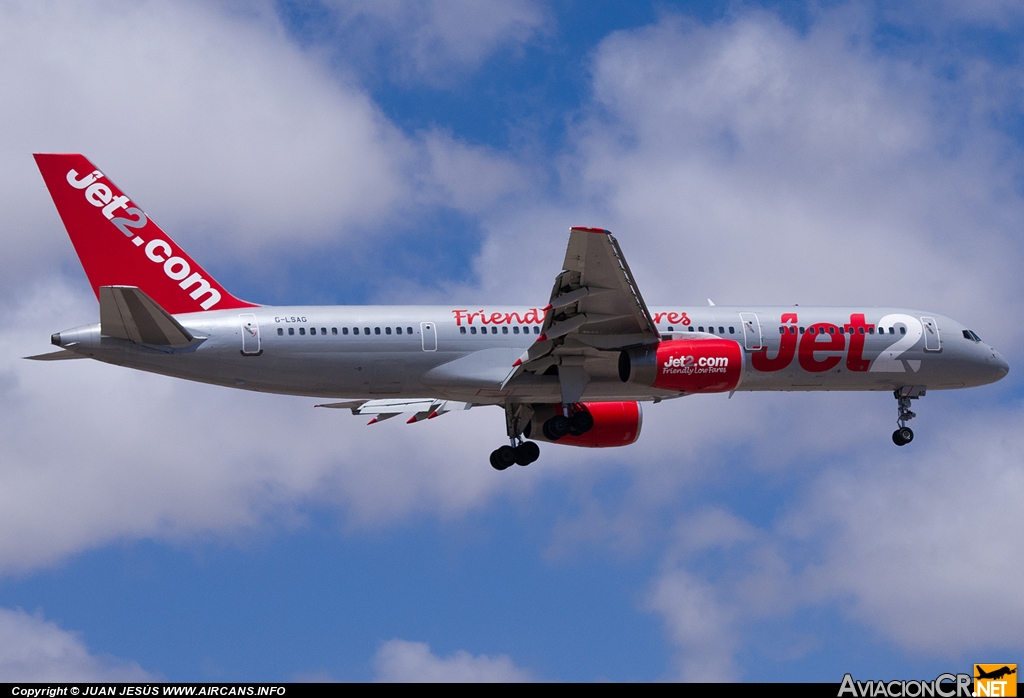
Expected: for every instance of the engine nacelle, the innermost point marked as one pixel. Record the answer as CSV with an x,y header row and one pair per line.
x,y
686,365
615,424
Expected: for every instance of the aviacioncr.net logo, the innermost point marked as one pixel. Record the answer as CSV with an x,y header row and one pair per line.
x,y
943,686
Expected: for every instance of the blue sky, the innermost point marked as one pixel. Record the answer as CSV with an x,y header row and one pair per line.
x,y
437,151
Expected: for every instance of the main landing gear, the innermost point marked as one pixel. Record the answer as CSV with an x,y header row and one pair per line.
x,y
566,420
520,451
576,424
524,453
904,435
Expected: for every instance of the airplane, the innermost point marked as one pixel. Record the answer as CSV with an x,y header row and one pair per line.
x,y
996,674
573,371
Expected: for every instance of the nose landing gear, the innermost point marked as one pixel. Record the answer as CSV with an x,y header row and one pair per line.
x,y
904,435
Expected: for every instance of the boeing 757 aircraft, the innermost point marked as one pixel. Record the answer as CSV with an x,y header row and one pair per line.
x,y
572,372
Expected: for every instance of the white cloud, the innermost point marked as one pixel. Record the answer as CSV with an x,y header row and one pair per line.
x,y
213,119
404,661
32,649
468,178
754,164
743,161
929,552
699,625
230,136
93,453
209,120
432,38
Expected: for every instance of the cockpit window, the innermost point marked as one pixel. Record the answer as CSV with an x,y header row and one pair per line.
x,y
970,334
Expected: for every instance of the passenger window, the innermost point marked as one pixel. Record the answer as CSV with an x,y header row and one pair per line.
x,y
782,330
811,330
312,330
860,330
504,329
344,330
670,328
398,330
871,330
494,330
732,330
280,331
701,328
408,330
801,330
334,330
302,330
903,330
461,329
355,330
721,330
387,330
472,330
291,330
842,330
323,331
691,328
792,329
515,330
366,330
536,329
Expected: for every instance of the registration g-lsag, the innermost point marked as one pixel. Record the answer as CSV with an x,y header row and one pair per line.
x,y
573,371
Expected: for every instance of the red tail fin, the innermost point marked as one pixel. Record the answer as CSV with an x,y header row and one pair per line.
x,y
120,246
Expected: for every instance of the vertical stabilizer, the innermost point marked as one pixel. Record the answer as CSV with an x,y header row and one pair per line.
x,y
119,245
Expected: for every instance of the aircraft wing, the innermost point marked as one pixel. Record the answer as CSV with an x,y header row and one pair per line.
x,y
595,309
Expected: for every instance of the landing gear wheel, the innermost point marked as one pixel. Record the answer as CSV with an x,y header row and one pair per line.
x,y
556,427
580,423
503,457
527,452
902,436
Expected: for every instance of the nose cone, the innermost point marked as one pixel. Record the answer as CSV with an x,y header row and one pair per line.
x,y
998,366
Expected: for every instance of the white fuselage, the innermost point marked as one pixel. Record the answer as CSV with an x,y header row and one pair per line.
x,y
467,354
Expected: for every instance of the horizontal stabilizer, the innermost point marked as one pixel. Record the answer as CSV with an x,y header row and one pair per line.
x,y
127,312
61,355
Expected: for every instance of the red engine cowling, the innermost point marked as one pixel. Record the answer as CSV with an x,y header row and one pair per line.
x,y
615,424
686,365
